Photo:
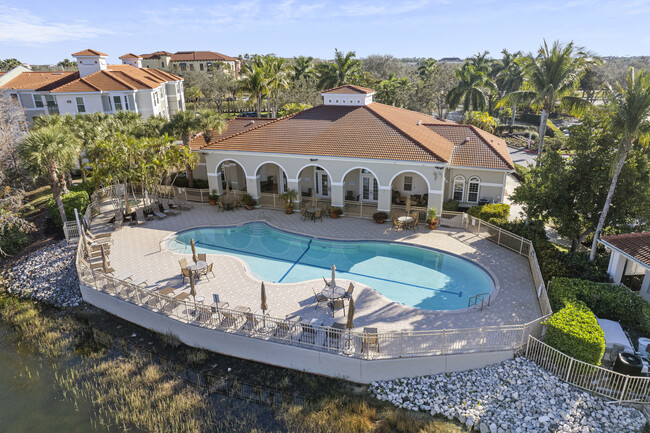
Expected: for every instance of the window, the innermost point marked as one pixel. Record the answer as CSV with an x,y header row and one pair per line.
x,y
201,66
473,190
191,66
81,107
183,67
408,183
126,103
459,188
117,101
162,64
38,101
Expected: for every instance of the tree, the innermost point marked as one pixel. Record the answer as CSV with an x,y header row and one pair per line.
x,y
508,74
9,64
254,81
66,64
630,108
278,75
193,94
570,192
183,124
383,67
211,122
49,150
340,71
13,127
303,67
393,91
89,129
551,78
427,69
472,90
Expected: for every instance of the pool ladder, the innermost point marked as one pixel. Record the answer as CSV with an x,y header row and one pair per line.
x,y
480,298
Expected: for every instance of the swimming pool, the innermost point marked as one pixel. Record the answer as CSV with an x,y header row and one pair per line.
x,y
419,277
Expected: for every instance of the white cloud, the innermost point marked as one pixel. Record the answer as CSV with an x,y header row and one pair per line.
x,y
377,8
23,27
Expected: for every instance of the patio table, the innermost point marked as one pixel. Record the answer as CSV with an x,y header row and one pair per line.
x,y
405,219
333,292
197,267
311,212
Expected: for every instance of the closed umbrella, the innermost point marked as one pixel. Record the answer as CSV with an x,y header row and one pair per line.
x,y
193,290
333,282
313,200
193,250
104,260
350,323
264,306
408,204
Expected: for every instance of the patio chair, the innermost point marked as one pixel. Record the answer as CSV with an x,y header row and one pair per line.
x,y
182,205
318,215
183,263
348,293
303,213
139,216
208,270
251,322
156,212
202,257
221,208
168,210
203,314
334,336
118,220
396,223
320,299
284,328
186,273
337,304
370,340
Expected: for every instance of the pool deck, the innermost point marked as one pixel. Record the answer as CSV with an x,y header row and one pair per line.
x,y
137,251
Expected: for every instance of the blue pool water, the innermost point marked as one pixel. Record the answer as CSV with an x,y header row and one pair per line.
x,y
418,277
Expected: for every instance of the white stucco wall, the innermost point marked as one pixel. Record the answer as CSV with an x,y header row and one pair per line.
x,y
492,183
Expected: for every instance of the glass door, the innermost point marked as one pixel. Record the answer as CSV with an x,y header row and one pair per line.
x,y
369,188
322,186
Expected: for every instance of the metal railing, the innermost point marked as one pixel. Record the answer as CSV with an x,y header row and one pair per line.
x,y
597,380
504,238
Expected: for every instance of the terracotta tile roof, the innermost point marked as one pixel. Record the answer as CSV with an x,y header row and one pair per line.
x,y
184,56
40,80
636,245
374,131
156,54
130,56
118,77
90,52
482,149
347,89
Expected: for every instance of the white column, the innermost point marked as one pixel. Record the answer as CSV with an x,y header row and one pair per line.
x,y
616,266
435,200
337,194
295,185
214,182
645,286
253,186
384,199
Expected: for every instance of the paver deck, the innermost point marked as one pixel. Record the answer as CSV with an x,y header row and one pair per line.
x,y
137,250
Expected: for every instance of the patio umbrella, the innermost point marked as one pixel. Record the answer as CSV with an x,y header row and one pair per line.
x,y
333,282
408,204
350,323
192,286
313,199
193,250
104,260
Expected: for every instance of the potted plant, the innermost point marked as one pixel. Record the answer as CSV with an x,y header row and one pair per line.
x,y
336,211
379,217
432,218
213,197
289,197
248,201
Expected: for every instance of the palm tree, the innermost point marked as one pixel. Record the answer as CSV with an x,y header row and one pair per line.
x,y
49,150
552,77
481,62
340,71
183,124
472,90
278,79
193,94
210,121
509,76
630,110
254,81
427,68
303,67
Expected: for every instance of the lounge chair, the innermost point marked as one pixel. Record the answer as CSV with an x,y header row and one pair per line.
x,y
118,220
284,328
167,290
337,304
251,322
140,216
320,299
182,205
334,336
101,238
168,210
348,293
156,213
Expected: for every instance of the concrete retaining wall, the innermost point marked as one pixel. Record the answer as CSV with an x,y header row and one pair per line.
x,y
282,355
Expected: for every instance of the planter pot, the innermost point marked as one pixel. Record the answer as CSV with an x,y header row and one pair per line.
x,y
288,211
433,225
380,221
213,202
334,215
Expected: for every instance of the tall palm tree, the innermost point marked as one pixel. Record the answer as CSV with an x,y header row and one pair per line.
x,y
509,76
193,94
183,124
481,62
303,67
427,68
630,108
211,122
49,150
254,81
552,78
340,71
278,80
472,90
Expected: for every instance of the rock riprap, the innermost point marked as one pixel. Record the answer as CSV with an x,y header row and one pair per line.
x,y
47,275
513,396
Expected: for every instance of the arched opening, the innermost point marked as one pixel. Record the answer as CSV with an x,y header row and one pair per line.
x,y
272,178
231,178
409,193
361,189
474,189
315,185
459,188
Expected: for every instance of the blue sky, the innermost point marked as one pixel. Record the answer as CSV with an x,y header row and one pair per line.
x,y
48,31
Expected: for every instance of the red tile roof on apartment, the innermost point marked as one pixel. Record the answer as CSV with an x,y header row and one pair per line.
x,y
374,131
90,52
41,81
118,77
130,56
157,54
188,56
347,89
635,245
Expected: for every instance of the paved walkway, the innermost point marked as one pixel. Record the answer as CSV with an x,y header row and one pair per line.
x,y
137,250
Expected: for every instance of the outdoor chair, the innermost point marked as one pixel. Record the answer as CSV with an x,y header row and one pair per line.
x,y
320,299
186,274
221,208
348,293
370,340
183,263
251,322
337,304
101,238
318,215
118,220
139,216
334,336
202,257
396,223
168,210
182,205
284,328
156,213
208,270
203,314
303,212
416,219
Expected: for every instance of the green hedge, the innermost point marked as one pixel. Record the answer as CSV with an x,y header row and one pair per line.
x,y
574,330
451,205
181,182
73,199
13,240
608,301
500,211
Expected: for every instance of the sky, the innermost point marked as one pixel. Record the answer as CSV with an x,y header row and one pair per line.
x,y
45,32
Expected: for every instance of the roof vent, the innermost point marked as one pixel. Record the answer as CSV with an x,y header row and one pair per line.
x,y
252,121
419,122
466,139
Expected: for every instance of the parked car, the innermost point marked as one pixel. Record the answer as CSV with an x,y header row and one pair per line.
x,y
248,114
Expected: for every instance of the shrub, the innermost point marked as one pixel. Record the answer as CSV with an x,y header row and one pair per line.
x,y
451,205
181,182
520,172
608,301
554,143
574,330
496,210
13,240
72,200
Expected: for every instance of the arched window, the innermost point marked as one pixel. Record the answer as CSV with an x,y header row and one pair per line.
x,y
474,189
459,188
